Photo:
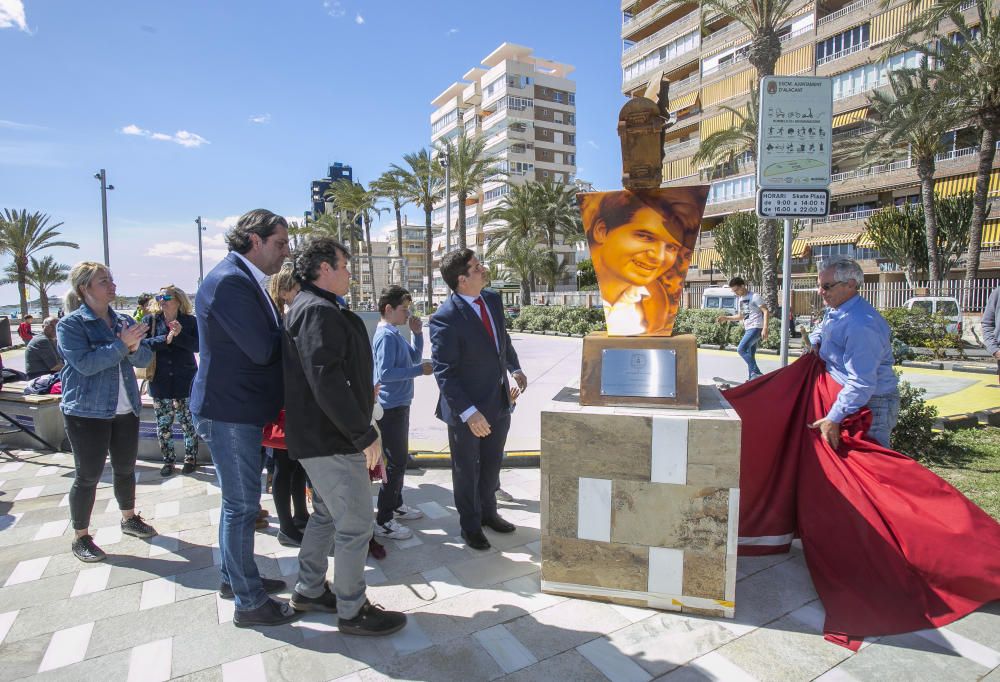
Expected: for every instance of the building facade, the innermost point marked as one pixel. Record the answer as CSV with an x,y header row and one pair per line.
x,y
407,268
525,108
338,171
705,58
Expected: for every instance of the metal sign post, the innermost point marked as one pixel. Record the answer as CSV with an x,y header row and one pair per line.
x,y
793,162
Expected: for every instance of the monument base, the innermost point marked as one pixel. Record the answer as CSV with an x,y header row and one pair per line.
x,y
640,506
639,371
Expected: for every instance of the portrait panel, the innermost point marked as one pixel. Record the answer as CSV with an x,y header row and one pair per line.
x,y
641,243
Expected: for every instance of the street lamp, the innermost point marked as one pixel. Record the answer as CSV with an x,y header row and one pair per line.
x,y
201,262
103,177
446,163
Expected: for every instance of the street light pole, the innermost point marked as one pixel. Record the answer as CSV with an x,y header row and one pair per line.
x,y
103,177
201,261
446,162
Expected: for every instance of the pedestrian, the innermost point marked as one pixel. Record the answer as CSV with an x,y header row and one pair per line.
x,y
754,315
100,401
990,315
854,343
330,404
142,306
173,337
24,329
472,354
237,389
397,363
42,354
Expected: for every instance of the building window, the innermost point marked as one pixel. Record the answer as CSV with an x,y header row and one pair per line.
x,y
841,44
445,121
650,61
570,98
870,76
569,138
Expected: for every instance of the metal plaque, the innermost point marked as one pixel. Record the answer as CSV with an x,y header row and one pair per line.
x,y
641,372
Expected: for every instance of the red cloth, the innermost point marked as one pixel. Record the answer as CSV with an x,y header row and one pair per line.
x,y
890,546
24,331
274,433
485,317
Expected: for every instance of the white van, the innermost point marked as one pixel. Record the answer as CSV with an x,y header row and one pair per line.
x,y
943,305
719,298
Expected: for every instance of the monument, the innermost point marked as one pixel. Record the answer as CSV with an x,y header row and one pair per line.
x,y
640,475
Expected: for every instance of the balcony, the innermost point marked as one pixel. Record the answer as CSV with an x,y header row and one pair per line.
x,y
684,84
730,30
682,146
843,53
642,18
904,164
848,217
844,11
725,66
666,64
675,28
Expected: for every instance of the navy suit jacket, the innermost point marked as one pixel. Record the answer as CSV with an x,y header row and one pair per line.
x,y
239,375
468,368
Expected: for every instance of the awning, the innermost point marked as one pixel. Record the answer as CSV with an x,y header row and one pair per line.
x,y
991,233
734,86
685,101
703,258
799,247
850,117
843,238
865,242
891,23
679,168
949,187
797,61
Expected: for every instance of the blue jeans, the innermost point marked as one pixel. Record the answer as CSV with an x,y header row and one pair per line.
x,y
748,349
235,452
885,414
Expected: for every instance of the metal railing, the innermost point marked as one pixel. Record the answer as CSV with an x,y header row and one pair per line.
x,y
847,134
737,59
904,164
795,34
671,148
641,17
843,53
844,11
683,84
637,79
727,30
850,216
672,29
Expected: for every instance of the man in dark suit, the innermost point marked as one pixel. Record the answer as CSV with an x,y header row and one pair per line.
x,y
472,354
238,389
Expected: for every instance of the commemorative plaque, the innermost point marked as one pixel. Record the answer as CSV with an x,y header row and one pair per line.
x,y
644,372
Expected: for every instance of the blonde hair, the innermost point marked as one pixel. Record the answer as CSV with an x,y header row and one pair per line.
x,y
183,302
80,277
281,283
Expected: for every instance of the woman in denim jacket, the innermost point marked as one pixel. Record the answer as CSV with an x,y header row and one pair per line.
x,y
100,400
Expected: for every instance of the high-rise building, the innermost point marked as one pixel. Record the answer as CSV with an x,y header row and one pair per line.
x,y
408,270
705,56
525,108
318,188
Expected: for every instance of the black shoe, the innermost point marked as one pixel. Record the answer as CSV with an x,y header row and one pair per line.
x,y
135,526
326,602
411,463
270,612
293,539
84,549
499,525
476,540
372,620
271,586
189,466
167,469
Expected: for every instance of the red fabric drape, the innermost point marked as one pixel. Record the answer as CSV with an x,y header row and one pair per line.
x,y
274,433
890,546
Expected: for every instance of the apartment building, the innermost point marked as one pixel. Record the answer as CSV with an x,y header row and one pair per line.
x,y
705,58
525,108
380,269
409,269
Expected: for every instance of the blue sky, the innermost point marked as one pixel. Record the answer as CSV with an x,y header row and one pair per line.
x,y
214,108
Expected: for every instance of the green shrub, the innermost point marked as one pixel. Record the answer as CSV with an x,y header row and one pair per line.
x,y
901,351
921,329
564,319
914,434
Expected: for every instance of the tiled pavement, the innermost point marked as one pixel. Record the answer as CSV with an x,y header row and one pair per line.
x,y
151,612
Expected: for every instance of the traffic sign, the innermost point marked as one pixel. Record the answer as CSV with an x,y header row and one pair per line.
x,y
793,203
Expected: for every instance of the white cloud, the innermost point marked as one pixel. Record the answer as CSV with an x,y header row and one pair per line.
x,y
334,8
14,125
593,144
358,19
181,137
12,14
179,250
261,118
451,31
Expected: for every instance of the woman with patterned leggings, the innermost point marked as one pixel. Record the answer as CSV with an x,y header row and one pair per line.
x,y
173,336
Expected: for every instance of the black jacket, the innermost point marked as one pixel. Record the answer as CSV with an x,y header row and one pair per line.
x,y
328,367
175,365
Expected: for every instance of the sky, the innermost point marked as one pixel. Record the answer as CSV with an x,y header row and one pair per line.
x,y
214,108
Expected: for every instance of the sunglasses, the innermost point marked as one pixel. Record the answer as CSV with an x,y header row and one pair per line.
x,y
164,297
830,285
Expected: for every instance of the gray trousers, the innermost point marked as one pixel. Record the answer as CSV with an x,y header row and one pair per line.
x,y
342,516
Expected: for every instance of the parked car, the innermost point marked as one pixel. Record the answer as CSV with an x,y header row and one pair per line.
x,y
719,298
939,305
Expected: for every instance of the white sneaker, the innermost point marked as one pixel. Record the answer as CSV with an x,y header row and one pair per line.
x,y
408,513
393,530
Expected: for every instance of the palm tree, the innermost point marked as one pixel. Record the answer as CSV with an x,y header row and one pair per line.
x,y
523,259
970,79
912,124
730,145
468,168
423,184
360,204
517,213
390,186
898,234
558,214
42,274
23,234
551,269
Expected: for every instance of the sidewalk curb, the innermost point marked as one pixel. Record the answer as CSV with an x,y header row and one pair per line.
x,y
513,459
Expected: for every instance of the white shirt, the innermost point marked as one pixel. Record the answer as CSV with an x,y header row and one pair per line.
x,y
471,300
625,316
750,309
124,406
261,278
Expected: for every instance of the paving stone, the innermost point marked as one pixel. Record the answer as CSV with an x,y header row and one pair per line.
x,y
667,640
565,626
37,592
569,665
982,626
773,592
910,658
67,613
461,660
228,643
494,568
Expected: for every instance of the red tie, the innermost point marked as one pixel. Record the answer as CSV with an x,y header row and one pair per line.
x,y
486,319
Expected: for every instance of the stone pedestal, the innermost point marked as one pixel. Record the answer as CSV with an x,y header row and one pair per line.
x,y
640,506
683,349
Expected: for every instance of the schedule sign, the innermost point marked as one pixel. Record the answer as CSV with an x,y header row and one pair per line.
x,y
794,145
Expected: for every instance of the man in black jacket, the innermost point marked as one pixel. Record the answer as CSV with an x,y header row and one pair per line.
x,y
330,398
